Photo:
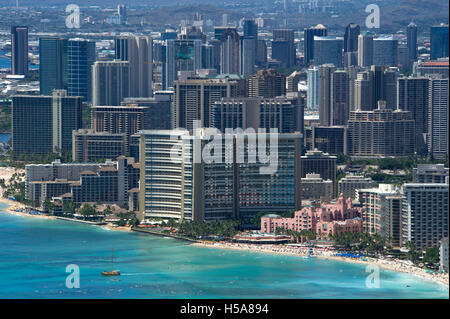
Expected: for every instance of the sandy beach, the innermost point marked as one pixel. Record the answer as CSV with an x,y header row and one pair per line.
x,y
391,264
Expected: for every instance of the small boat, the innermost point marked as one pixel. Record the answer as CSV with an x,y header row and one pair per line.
x,y
111,272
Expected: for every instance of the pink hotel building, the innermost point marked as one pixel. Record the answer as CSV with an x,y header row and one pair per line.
x,y
326,220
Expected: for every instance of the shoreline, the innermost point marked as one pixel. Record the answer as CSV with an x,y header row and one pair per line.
x,y
391,265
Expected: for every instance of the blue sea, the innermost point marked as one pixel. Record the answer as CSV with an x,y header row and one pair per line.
x,y
34,254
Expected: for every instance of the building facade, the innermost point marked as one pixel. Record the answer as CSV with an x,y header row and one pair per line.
x,y
182,185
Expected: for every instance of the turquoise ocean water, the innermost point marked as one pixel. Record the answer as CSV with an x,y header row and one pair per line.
x,y
34,254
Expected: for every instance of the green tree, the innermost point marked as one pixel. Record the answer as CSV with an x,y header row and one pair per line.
x,y
87,210
413,254
431,255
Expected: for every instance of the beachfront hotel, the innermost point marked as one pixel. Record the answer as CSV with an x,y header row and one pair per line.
x,y
424,217
381,210
185,188
107,182
326,220
44,124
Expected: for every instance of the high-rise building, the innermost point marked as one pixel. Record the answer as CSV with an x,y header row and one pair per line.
x,y
340,102
313,88
425,68
317,162
122,13
424,219
351,38
283,113
159,109
381,132
438,118
81,56
390,76
53,65
185,187
251,32
127,119
230,51
110,82
365,49
313,187
283,48
89,146
261,57
38,174
266,83
138,51
328,50
412,95
363,92
381,212
439,41
292,82
19,50
411,31
309,34
247,56
328,139
44,124
350,184
182,56
194,99
430,173
325,86
385,51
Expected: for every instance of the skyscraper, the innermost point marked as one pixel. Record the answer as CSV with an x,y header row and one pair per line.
x,y
381,132
110,82
194,99
385,51
411,31
81,56
363,92
283,48
247,56
53,65
365,49
44,124
230,51
19,50
438,118
183,56
351,38
266,83
412,95
439,41
138,51
313,88
340,103
251,31
328,49
309,34
350,55
424,219
284,113
190,189
325,86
